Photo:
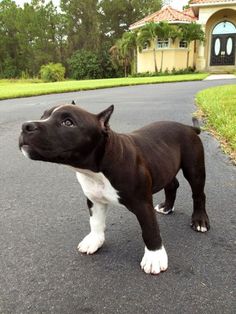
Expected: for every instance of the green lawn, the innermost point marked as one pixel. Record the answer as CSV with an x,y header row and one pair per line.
x,y
218,104
23,88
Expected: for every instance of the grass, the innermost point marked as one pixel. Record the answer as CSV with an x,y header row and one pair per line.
x,y
25,88
218,105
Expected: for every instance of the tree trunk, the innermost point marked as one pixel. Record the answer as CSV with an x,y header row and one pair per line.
x,y
134,62
126,67
188,58
155,61
162,53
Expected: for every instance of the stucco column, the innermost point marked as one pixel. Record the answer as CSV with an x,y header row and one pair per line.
x,y
201,60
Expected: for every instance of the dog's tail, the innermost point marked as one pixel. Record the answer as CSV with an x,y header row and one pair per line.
x,y
196,125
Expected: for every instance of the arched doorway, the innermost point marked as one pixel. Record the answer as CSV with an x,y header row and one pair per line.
x,y
223,44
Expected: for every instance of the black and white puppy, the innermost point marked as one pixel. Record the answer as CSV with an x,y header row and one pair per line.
x,y
123,169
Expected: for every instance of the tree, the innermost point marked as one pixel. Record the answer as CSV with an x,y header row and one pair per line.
x,y
82,25
38,34
187,6
129,46
117,15
9,43
38,44
28,37
147,36
119,57
191,32
164,32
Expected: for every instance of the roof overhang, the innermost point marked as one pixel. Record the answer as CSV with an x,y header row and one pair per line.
x,y
196,6
169,22
208,4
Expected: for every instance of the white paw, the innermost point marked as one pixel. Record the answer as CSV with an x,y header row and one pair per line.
x,y
201,229
154,262
161,210
91,243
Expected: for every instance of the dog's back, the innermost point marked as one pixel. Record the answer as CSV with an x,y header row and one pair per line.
x,y
166,146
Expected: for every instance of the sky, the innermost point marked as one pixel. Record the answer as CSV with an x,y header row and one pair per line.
x,y
177,4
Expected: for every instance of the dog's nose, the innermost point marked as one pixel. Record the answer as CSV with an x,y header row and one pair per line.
x,y
29,127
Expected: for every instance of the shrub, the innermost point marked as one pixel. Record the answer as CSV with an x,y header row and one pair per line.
x,y
84,65
9,69
52,72
166,72
25,75
108,69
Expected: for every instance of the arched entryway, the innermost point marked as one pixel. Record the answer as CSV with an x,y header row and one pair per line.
x,y
223,44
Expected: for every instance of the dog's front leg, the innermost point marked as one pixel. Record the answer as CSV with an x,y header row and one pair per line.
x,y
155,259
95,239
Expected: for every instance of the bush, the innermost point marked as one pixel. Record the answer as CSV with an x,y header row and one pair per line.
x,y
84,65
52,72
166,72
9,69
108,69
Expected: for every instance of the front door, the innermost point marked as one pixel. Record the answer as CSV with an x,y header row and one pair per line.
x,y
223,49
223,44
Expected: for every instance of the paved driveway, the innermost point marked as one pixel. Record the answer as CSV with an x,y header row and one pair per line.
x,y
44,216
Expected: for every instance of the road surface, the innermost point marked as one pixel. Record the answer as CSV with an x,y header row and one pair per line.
x,y
44,216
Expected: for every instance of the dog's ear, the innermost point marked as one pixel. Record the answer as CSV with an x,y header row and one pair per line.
x,y
104,117
73,102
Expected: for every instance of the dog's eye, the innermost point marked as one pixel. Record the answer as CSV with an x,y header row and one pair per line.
x,y
68,122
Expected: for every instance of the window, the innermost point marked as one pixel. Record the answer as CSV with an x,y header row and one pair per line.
x,y
145,46
224,28
162,43
183,44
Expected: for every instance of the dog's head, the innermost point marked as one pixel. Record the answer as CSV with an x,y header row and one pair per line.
x,y
65,134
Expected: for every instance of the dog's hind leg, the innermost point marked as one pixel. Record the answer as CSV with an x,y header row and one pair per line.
x,y
170,194
195,174
95,239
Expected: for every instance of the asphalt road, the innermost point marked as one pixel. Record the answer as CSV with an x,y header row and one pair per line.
x,y
44,216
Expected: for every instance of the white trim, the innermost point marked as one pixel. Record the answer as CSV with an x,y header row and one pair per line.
x,y
212,4
161,41
181,22
137,26
181,49
160,49
169,22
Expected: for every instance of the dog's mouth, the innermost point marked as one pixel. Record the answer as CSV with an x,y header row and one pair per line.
x,y
24,149
23,144
29,152
27,149
35,152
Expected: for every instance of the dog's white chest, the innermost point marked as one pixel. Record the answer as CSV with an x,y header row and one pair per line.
x,y
97,187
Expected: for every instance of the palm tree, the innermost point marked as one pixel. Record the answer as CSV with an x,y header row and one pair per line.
x,y
128,45
146,36
151,31
164,31
191,32
123,53
175,33
117,56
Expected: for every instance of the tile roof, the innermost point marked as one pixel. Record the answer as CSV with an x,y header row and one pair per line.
x,y
210,1
168,14
189,11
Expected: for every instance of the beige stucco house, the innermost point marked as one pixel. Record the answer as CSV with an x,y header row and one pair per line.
x,y
216,54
